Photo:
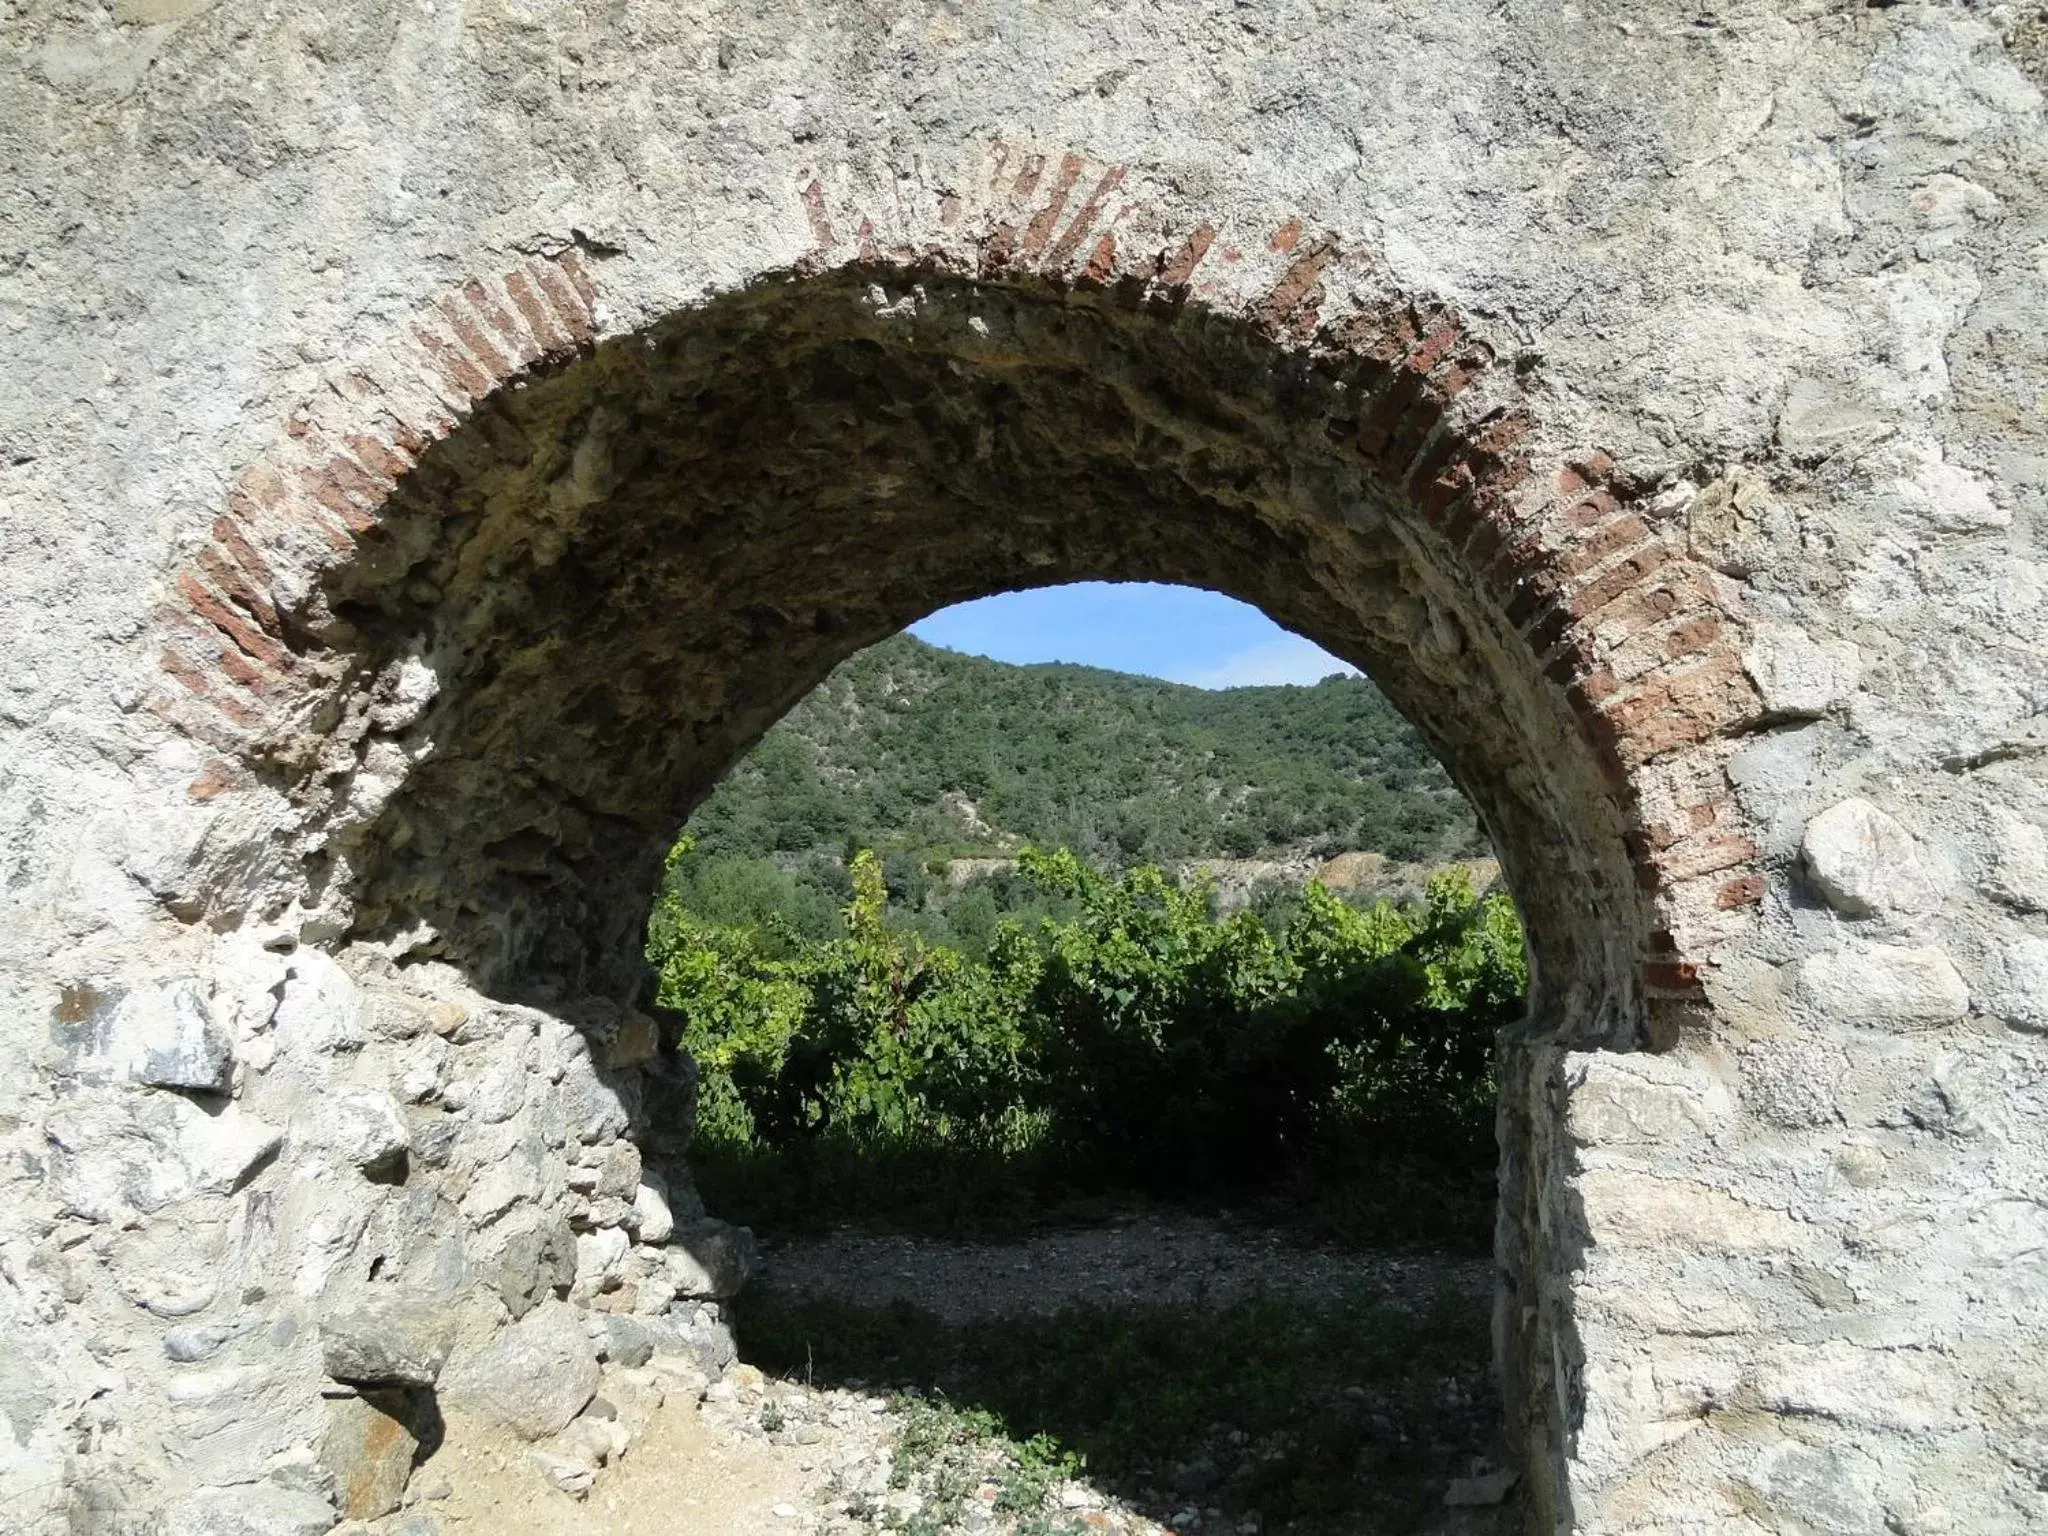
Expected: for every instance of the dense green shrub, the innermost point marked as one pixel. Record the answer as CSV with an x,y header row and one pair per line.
x,y
1135,1041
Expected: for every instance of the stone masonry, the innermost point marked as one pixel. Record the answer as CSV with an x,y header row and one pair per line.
x,y
437,441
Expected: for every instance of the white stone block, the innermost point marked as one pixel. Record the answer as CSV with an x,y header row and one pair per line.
x,y
1799,676
1865,862
1885,984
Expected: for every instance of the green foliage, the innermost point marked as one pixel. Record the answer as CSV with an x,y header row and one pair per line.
x,y
1136,1041
896,745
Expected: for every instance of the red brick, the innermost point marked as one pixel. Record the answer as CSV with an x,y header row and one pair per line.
x,y
568,304
1604,589
1083,221
235,586
188,676
572,264
1744,892
526,299
457,371
1039,231
378,456
1622,533
1294,286
1686,861
523,348
209,606
1672,976
470,332
1180,267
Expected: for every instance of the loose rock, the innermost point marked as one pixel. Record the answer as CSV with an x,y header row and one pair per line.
x,y
534,1377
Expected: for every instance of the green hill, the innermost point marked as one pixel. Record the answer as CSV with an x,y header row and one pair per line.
x,y
910,749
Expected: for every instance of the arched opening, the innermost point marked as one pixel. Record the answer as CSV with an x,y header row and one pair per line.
x,y
1053,1089
512,658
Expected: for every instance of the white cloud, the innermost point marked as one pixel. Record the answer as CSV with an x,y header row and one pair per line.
x,y
1290,659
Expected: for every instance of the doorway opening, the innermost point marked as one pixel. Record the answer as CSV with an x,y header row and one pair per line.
x,y
1107,1065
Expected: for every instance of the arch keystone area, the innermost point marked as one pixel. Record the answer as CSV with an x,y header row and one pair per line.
x,y
424,477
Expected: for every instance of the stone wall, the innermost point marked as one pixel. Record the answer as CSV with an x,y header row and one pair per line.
x,y
444,439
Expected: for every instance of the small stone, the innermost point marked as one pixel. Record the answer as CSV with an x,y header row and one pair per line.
x,y
1798,677
1885,984
533,1378
618,1175
1478,1492
2019,871
657,1222
399,1338
1864,862
600,1262
634,1043
368,1446
444,1018
2023,993
222,1150
711,1258
188,1346
162,1036
633,1341
366,1129
783,1511
253,1509
565,1473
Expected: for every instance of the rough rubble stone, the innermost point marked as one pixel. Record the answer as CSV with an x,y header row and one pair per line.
x,y
2023,990
1864,862
619,1174
656,1221
534,1258
387,1339
2019,870
367,1129
531,1379
1885,984
163,1036
1799,677
710,1258
368,1446
600,1262
252,1509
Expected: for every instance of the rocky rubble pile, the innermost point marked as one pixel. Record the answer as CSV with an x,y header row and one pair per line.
x,y
299,1207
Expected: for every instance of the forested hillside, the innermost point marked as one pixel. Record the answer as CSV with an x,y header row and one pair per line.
x,y
909,748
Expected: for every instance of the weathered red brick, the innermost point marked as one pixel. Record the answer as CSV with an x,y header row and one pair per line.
x,y
455,370
1293,288
1039,231
1084,221
1746,891
578,272
210,606
526,299
1672,976
570,310
1604,588
188,676
1601,543
1686,861
469,330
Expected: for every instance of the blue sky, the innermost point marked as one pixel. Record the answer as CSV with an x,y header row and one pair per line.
x,y
1179,633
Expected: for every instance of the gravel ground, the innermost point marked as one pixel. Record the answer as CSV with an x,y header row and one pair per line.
x,y
1150,1257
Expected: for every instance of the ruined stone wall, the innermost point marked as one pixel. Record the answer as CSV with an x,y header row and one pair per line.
x,y
437,441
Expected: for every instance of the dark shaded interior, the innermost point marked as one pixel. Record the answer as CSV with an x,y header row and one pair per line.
x,y
623,572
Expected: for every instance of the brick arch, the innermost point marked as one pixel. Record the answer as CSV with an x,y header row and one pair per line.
x,y
1566,544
